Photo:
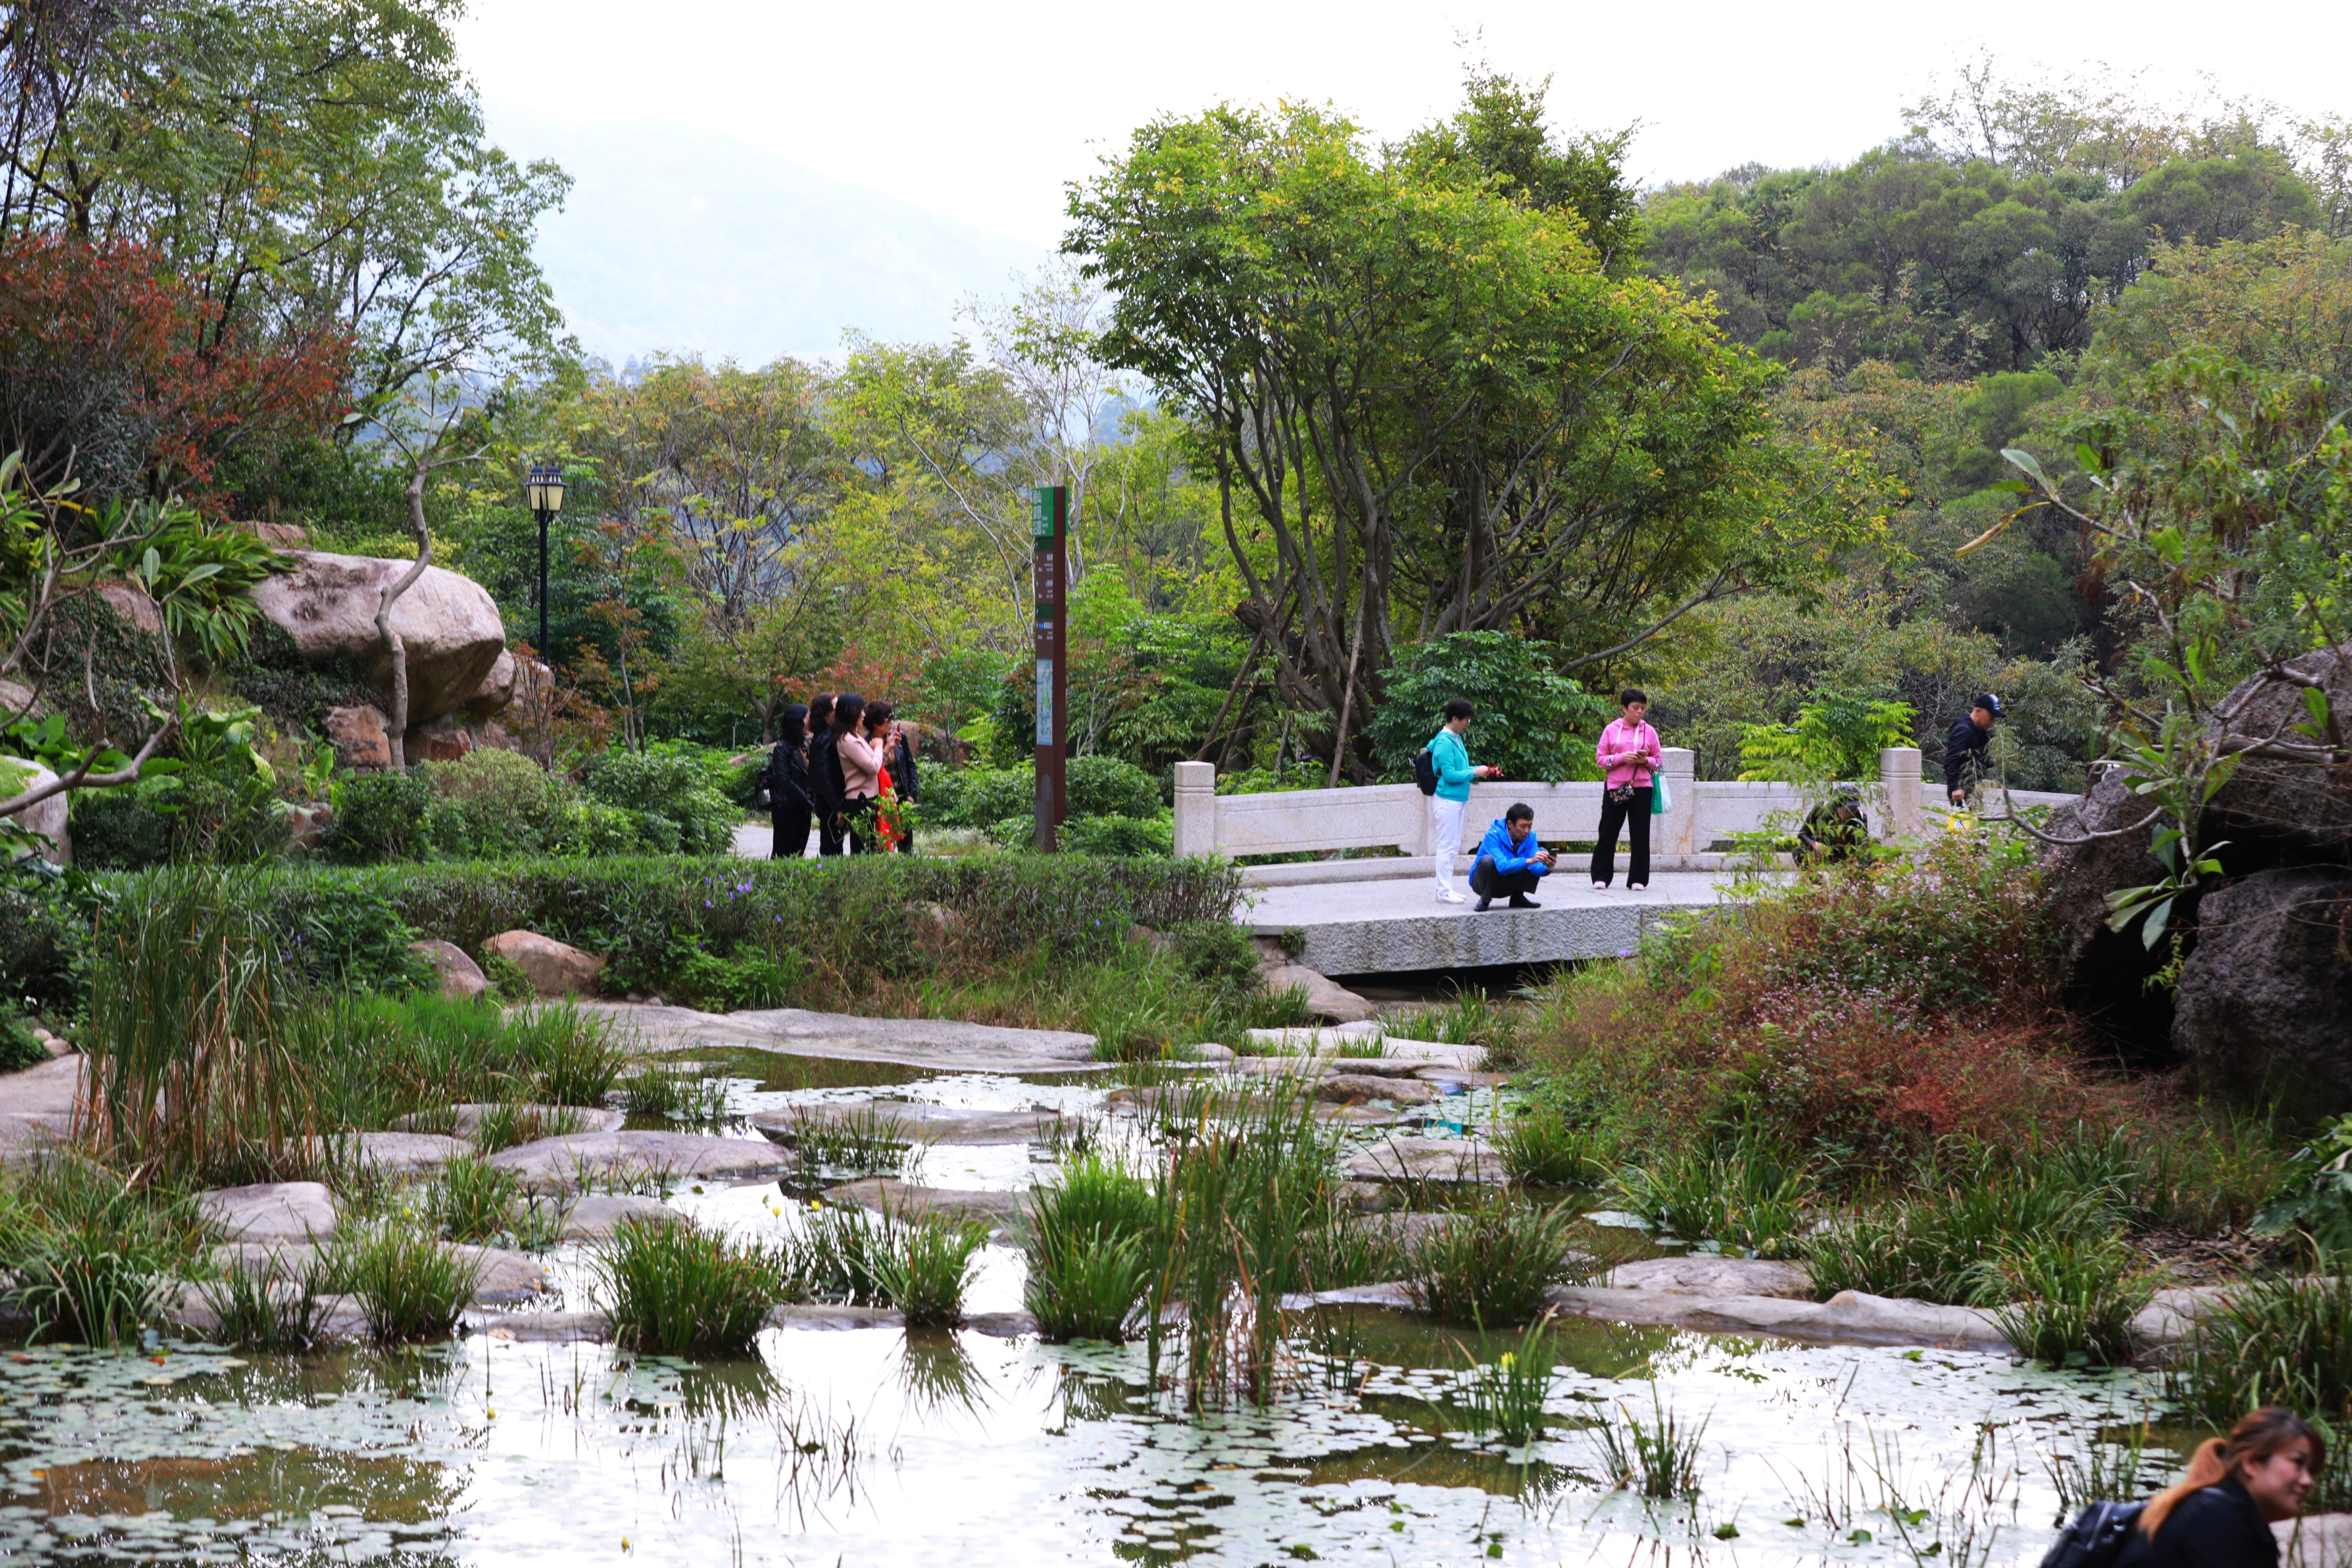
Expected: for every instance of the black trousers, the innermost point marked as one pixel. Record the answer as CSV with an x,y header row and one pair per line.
x,y
792,832
1633,815
828,836
858,826
1489,883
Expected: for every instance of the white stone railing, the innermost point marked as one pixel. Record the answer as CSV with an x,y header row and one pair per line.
x,y
1378,816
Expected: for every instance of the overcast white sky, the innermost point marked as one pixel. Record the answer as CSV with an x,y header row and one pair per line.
x,y
983,110
981,113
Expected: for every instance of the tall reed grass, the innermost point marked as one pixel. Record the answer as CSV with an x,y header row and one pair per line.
x,y
673,1286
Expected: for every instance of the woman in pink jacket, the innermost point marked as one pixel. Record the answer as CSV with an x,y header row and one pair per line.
x,y
1630,759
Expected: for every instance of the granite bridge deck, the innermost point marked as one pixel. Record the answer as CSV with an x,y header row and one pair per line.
x,y
1395,924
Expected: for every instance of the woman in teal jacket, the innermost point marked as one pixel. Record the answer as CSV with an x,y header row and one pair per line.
x,y
1449,759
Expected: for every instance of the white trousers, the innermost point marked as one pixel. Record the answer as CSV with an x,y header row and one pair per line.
x,y
1444,837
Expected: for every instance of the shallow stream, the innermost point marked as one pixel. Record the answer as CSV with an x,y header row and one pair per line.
x,y
875,1447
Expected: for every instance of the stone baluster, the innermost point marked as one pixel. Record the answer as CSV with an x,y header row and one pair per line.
x,y
1196,808
1676,831
1898,778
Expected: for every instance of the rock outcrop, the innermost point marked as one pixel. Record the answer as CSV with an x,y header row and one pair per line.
x,y
2279,810
2264,1005
2106,971
554,968
45,818
461,978
358,736
450,625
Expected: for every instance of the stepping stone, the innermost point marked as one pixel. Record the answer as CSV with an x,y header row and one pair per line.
x,y
269,1211
604,1159
546,1120
506,1276
537,1328
392,1153
1706,1276
1001,1209
917,1123
1849,1317
36,1105
597,1216
1429,1160
1352,1088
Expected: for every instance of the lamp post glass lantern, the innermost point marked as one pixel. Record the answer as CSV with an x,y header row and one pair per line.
x,y
545,488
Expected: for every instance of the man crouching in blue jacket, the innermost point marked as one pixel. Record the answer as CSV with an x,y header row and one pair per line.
x,y
1509,860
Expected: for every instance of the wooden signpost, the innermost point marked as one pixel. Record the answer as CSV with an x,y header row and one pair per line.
x,y
1050,521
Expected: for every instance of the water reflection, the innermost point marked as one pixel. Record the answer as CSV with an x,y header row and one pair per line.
x,y
937,1375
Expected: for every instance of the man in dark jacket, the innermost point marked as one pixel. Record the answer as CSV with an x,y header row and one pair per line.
x,y
1967,760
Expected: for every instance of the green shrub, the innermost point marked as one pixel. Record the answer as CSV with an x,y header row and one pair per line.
x,y
91,1259
117,830
472,1201
673,1286
1932,1245
2315,1198
2063,1297
350,937
379,816
1540,1147
1111,786
1218,953
411,1287
978,797
680,806
925,1270
261,1309
1751,1198
2275,1341
1490,1267
19,1046
1533,722
44,946
492,801
1125,836
507,979
718,984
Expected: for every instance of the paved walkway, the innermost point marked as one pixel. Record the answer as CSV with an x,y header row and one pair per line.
x,y
1394,925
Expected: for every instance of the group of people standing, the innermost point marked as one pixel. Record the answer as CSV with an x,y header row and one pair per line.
x,y
1510,863
840,765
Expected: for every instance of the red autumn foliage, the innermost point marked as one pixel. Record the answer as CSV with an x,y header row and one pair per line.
x,y
111,363
869,676
1867,1017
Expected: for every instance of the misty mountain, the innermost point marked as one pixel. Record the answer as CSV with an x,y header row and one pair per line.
x,y
679,239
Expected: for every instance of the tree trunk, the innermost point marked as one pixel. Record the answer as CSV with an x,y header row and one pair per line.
x,y
397,729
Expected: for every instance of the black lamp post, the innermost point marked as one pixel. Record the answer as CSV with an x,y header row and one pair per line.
x,y
546,489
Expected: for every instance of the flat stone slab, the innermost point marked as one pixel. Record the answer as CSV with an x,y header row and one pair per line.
x,y
397,1153
2324,1541
1849,1317
1001,1209
505,1276
590,1159
538,1328
1708,1276
597,1216
920,1123
36,1105
1429,1160
269,1211
1409,1054
466,1120
942,1044
1354,1088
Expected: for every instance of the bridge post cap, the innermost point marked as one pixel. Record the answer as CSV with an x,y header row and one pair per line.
x,y
1196,775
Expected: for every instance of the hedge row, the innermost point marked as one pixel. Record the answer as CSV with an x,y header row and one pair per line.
x,y
832,921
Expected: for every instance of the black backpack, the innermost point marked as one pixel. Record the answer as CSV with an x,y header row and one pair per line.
x,y
1425,772
2096,1538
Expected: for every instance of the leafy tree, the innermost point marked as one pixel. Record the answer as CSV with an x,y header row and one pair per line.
x,y
1533,722
1836,737
1428,404
308,166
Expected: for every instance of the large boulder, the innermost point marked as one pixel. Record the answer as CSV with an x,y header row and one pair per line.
x,y
554,968
46,818
462,979
448,623
2105,971
2264,1004
2278,809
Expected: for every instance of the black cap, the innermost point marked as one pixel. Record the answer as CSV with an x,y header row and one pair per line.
x,y
1990,703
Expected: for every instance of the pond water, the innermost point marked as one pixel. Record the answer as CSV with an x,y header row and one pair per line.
x,y
879,1446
